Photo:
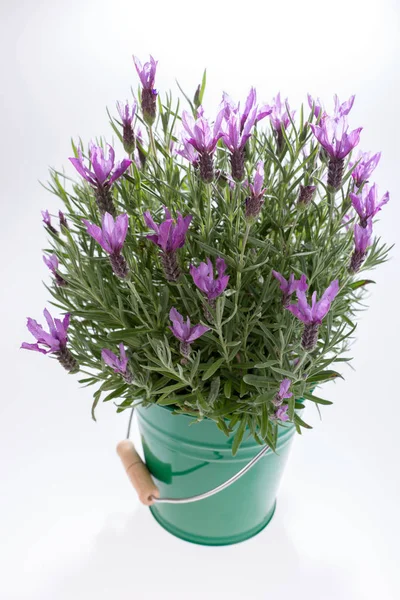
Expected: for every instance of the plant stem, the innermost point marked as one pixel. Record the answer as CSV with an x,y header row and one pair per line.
x,y
241,262
209,211
152,143
301,362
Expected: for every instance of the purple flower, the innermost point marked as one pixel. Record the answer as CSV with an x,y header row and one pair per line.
x,y
230,108
235,136
333,137
342,109
362,239
47,221
316,104
170,235
203,277
290,286
111,237
54,342
367,204
256,188
63,220
204,140
280,113
312,315
184,332
103,175
127,114
283,393
318,310
254,202
366,165
189,152
103,172
147,74
281,413
284,389
118,364
280,117
52,263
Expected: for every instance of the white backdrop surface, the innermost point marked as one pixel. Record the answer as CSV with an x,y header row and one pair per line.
x,y
70,526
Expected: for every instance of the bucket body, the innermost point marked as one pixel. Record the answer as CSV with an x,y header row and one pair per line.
x,y
188,458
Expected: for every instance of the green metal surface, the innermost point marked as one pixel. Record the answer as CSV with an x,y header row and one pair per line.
x,y
187,458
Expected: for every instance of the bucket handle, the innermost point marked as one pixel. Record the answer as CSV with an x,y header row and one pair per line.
x,y
146,489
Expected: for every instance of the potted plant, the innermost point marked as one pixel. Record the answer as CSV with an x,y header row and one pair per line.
x,y
211,279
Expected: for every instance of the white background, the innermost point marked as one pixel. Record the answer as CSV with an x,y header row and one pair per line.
x,y
70,525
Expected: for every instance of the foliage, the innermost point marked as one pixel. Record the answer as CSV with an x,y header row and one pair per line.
x,y
234,370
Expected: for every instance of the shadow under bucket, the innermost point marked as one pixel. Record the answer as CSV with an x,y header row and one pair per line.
x,y
187,458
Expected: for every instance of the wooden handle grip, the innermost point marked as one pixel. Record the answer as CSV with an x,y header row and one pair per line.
x,y
138,473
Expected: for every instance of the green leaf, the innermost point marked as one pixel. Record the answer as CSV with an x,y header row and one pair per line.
x,y
323,376
237,440
315,399
258,381
300,421
212,369
228,388
96,396
357,284
214,390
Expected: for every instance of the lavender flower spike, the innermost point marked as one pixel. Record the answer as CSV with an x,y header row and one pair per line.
x,y
147,75
204,140
54,342
280,117
52,263
235,138
333,137
306,195
283,393
203,277
127,114
63,220
312,315
104,174
255,201
47,222
362,239
118,365
111,237
366,165
184,332
281,413
169,236
367,204
290,286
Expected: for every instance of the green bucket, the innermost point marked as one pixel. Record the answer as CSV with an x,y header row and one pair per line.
x,y
187,459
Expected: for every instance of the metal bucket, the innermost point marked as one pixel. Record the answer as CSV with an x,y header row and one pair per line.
x,y
187,458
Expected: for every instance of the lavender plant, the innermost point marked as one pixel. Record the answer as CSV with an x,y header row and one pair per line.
x,y
233,224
